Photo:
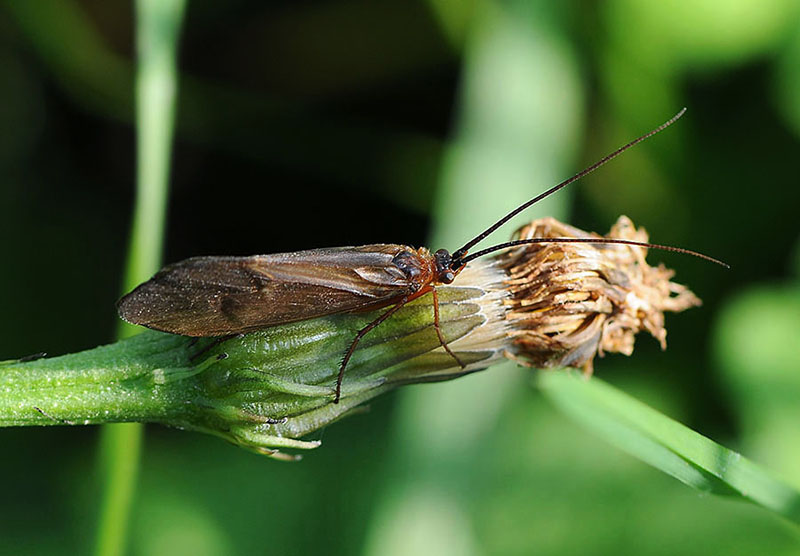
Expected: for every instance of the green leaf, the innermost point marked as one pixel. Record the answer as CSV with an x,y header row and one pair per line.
x,y
666,444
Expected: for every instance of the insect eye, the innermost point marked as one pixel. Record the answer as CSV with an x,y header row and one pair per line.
x,y
447,277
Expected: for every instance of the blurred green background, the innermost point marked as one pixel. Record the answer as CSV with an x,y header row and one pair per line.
x,y
311,124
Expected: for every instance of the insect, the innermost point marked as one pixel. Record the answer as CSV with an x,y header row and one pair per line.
x,y
224,296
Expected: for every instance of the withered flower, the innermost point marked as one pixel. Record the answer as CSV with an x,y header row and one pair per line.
x,y
570,301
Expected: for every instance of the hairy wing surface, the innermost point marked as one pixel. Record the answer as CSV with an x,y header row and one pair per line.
x,y
215,296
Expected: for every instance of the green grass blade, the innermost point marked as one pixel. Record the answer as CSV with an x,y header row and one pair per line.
x,y
158,25
120,447
666,444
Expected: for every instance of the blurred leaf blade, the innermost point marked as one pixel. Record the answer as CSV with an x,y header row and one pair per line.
x,y
666,444
519,119
158,29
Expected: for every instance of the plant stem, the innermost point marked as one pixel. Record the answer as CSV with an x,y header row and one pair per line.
x,y
122,382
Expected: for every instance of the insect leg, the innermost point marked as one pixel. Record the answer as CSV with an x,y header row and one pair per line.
x,y
361,333
438,328
33,357
57,419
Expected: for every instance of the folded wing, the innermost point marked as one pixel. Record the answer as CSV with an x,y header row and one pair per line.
x,y
216,296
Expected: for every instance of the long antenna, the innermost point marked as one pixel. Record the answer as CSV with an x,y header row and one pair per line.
x,y
604,240
458,255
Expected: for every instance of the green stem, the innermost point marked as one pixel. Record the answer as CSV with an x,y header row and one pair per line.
x,y
121,382
158,26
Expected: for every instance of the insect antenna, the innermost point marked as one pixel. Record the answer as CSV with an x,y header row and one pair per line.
x,y
458,255
611,241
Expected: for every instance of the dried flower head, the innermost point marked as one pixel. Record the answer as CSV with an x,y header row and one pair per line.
x,y
570,301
